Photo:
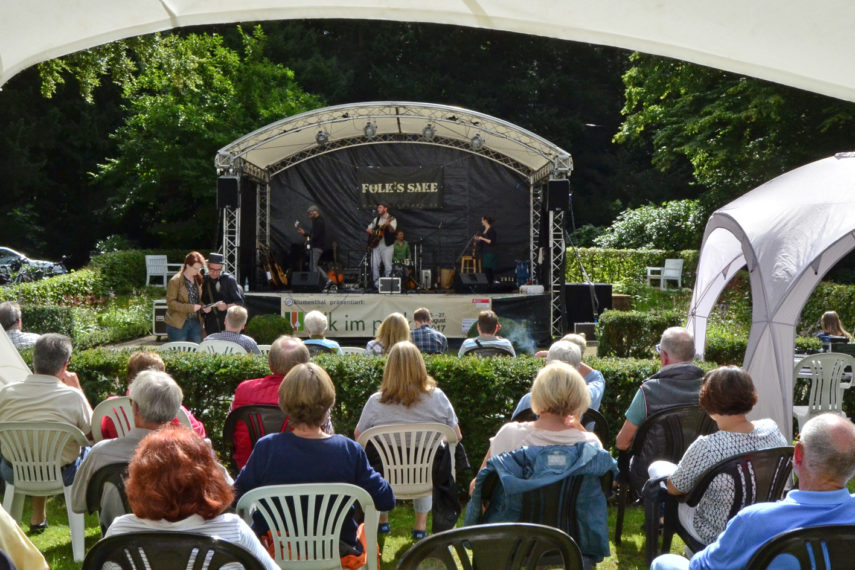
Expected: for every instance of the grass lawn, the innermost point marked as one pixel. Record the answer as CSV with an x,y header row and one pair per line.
x,y
55,543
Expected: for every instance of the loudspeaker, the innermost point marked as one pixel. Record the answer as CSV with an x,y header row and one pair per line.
x,y
471,283
158,326
580,307
390,285
306,282
558,195
227,192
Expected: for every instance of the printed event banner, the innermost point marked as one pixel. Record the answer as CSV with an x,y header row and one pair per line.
x,y
359,315
415,187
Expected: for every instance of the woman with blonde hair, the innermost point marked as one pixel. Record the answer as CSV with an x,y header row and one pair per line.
x,y
831,326
407,395
183,301
394,328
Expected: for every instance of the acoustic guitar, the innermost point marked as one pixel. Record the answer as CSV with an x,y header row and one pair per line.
x,y
335,274
378,233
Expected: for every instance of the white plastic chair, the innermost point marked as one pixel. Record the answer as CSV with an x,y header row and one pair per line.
x,y
673,271
120,410
352,350
180,346
156,266
306,532
826,386
407,452
221,347
34,450
183,418
264,349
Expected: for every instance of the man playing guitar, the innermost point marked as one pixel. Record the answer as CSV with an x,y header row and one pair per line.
x,y
381,240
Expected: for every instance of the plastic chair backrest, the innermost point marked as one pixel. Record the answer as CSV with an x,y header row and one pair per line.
x,y
221,347
673,269
259,419
305,520
180,346
600,428
352,350
114,474
826,373
155,264
500,546
315,349
406,452
818,547
487,352
264,349
120,410
183,418
168,551
34,449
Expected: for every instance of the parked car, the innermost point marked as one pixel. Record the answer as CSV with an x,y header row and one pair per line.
x,y
17,267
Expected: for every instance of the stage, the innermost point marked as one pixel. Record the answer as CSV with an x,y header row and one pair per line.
x,y
357,315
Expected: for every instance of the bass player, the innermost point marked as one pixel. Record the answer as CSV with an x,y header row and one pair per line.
x,y
381,241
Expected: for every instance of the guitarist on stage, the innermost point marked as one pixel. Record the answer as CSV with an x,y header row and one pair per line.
x,y
317,238
381,241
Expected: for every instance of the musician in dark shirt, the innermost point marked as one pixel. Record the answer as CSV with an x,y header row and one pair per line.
x,y
221,288
317,237
486,242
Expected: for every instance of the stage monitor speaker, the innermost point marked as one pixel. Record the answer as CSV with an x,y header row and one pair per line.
x,y
227,192
580,307
471,283
306,282
558,195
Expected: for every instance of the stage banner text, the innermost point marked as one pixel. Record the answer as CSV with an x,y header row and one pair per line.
x,y
415,187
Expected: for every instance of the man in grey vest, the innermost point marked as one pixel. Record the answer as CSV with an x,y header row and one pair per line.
x,y
676,384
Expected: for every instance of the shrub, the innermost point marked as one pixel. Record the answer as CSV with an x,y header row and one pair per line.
x,y
633,334
625,266
124,271
678,224
267,328
88,328
58,290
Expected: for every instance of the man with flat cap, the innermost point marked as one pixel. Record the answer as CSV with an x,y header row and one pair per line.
x,y
221,288
317,237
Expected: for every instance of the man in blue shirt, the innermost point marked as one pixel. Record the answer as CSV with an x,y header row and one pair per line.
x,y
824,460
236,318
425,337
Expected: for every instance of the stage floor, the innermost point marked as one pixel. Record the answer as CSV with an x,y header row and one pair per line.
x,y
357,315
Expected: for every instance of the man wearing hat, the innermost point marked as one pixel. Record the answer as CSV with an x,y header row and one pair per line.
x,y
221,288
317,241
381,232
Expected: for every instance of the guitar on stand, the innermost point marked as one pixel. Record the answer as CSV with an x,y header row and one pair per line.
x,y
335,275
276,276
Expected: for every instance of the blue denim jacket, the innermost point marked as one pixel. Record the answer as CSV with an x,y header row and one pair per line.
x,y
532,467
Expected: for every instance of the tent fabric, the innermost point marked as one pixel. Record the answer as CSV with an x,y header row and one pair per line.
x,y
12,366
789,233
802,44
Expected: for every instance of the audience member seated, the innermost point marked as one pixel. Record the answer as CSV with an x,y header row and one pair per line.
x,y
138,362
17,546
307,454
52,394
824,461
488,327
393,329
832,328
235,322
285,353
569,353
529,455
428,339
407,395
174,484
727,395
156,399
316,324
10,320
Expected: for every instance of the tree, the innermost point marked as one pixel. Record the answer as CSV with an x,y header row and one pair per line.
x,y
736,132
673,226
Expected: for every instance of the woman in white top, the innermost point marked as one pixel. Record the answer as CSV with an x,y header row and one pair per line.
x,y
174,484
559,396
407,395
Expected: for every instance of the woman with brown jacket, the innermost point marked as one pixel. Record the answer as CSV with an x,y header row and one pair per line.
x,y
183,321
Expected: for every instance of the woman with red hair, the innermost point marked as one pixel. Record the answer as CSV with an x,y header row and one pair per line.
x,y
183,321
175,484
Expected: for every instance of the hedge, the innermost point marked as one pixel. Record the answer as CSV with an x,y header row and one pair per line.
x,y
616,265
68,289
632,333
124,271
484,392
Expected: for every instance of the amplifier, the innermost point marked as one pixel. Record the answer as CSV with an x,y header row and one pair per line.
x,y
158,327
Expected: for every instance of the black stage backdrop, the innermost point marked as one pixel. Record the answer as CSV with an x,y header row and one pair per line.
x,y
472,187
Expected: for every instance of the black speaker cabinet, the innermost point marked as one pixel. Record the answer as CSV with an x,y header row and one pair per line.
x,y
227,192
558,195
158,326
580,306
306,282
471,283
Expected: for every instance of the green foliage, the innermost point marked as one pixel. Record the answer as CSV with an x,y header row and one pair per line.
x,y
632,333
827,297
59,290
626,267
267,328
673,225
124,271
586,235
87,327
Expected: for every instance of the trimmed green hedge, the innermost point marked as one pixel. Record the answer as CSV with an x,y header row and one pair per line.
x,y
618,265
88,327
124,271
68,289
633,334
484,392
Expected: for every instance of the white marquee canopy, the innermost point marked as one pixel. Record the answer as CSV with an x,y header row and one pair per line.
x,y
803,44
789,232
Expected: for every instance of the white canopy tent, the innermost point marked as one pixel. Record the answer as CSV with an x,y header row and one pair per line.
x,y
789,232
803,44
12,366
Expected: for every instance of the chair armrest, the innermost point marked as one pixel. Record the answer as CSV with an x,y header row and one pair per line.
x,y
654,270
176,267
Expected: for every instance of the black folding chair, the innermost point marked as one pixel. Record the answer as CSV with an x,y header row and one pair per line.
x,y
115,474
826,547
259,419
